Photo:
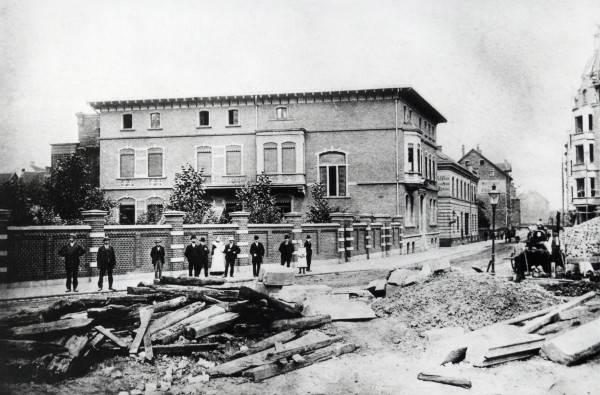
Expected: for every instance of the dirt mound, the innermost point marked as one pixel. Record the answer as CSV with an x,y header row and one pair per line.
x,y
461,299
583,239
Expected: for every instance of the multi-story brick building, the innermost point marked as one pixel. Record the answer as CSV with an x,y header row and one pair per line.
x,y
88,146
374,150
582,187
489,173
457,218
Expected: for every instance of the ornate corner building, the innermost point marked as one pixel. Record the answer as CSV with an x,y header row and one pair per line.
x,y
580,165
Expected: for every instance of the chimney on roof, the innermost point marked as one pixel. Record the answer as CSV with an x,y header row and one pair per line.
x,y
463,150
478,150
22,170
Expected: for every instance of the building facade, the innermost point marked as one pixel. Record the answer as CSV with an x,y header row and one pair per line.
x,y
457,217
374,150
489,173
582,190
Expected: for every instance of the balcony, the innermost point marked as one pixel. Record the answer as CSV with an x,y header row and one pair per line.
x,y
141,182
413,178
219,181
590,201
297,180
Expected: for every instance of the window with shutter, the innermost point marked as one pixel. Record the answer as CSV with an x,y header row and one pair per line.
x,y
155,162
127,163
270,157
233,159
288,158
204,160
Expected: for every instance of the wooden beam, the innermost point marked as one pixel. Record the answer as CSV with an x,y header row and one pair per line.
x,y
193,281
148,347
175,317
516,348
282,337
106,332
184,348
301,349
145,316
553,314
299,323
49,328
457,382
527,316
211,325
172,333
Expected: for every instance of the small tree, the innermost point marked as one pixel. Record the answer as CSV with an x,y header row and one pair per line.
x,y
189,195
320,212
14,197
482,219
68,191
256,198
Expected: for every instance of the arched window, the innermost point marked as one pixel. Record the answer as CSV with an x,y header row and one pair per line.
x,y
288,158
154,209
155,162
233,159
270,157
204,160
127,211
204,118
126,163
332,173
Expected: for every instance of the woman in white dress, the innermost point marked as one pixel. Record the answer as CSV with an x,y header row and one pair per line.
x,y
301,264
218,257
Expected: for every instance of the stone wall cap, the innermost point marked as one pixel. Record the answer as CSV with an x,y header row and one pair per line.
x,y
94,212
210,226
58,228
135,227
173,213
270,225
239,214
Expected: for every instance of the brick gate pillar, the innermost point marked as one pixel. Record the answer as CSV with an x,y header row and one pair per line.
x,y
240,218
176,240
4,216
295,219
367,218
386,228
398,226
345,232
95,220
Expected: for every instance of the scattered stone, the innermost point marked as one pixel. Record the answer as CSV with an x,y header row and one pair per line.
x,y
135,392
165,385
202,378
242,349
414,279
207,364
108,371
436,334
276,275
575,345
398,276
123,393
150,388
116,374
426,269
182,364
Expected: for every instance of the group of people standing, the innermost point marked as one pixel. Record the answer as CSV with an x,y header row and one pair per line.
x,y
196,254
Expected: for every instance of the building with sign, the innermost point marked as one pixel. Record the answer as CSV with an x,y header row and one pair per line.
x,y
457,216
374,150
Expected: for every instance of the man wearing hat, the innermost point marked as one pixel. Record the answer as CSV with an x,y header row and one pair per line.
x,y
231,253
106,262
71,252
286,248
308,246
257,250
204,253
192,254
158,258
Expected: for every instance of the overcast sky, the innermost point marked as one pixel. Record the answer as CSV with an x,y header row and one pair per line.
x,y
502,72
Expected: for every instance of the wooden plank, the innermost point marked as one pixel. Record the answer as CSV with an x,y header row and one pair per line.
x,y
528,316
76,344
184,348
172,333
288,351
457,382
552,315
211,325
29,348
106,332
175,317
297,358
282,337
96,341
170,304
145,316
148,347
497,361
274,368
49,328
193,281
285,308
511,349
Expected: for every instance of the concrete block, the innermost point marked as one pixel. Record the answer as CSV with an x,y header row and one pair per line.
x,y
299,293
439,265
378,288
276,275
436,334
398,276
266,289
575,345
572,313
414,279
426,269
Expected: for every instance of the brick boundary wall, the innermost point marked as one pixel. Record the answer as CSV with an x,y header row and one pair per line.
x,y
30,253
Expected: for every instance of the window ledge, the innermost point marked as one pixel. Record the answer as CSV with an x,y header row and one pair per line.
x,y
204,127
409,226
282,119
155,129
127,130
337,197
141,178
233,126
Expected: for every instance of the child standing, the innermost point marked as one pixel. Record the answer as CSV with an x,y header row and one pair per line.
x,y
301,260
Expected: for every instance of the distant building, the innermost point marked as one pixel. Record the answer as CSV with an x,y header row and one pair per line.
x,y
582,181
457,215
88,146
490,173
534,207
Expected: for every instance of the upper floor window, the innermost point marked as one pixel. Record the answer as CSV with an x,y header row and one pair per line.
x,y
580,183
155,162
155,120
233,117
467,163
591,153
288,158
204,160
578,154
126,163
481,162
233,159
281,113
590,122
127,121
204,118
270,157
579,124
411,157
492,173
584,96
332,173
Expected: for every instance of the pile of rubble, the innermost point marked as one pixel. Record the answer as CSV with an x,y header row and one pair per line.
x,y
222,328
583,240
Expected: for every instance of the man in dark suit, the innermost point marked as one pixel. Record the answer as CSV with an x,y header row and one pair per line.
x,y
308,246
158,258
106,263
286,248
71,252
193,255
204,253
257,250
231,253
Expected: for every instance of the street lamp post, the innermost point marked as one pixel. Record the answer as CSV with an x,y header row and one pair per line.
x,y
494,197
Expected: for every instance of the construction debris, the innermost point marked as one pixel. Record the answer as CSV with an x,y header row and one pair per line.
x,y
575,345
445,380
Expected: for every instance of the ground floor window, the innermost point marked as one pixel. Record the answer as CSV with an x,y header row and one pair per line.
x,y
154,212
127,214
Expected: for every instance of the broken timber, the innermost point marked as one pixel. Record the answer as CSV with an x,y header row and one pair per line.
x,y
288,351
145,316
553,314
445,380
106,332
175,317
172,333
299,323
184,348
211,325
269,342
195,281
49,328
528,316
255,297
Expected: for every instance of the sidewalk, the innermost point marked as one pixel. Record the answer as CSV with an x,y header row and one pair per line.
x,y
87,285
